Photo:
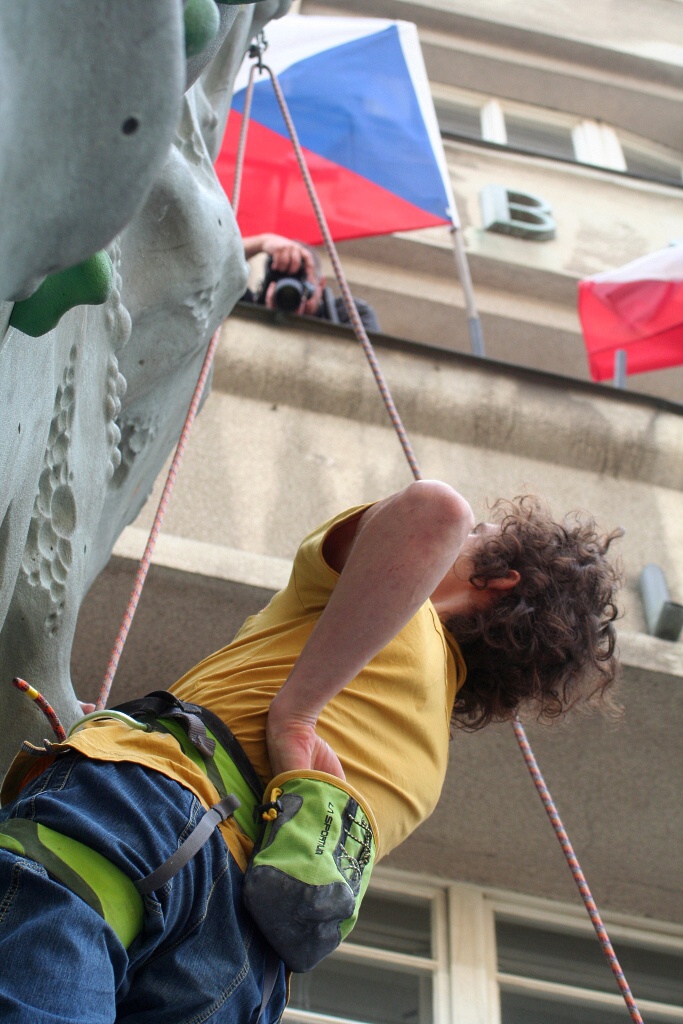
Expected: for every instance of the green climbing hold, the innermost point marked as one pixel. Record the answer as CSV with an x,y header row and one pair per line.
x,y
201,25
87,284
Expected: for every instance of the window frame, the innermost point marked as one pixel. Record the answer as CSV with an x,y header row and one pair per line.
x,y
595,143
466,981
399,884
568,919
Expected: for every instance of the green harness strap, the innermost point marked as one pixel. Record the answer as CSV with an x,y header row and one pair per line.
x,y
84,871
97,881
221,771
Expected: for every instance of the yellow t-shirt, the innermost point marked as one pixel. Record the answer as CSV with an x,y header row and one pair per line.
x,y
389,726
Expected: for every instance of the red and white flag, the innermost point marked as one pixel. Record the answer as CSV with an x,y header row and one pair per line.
x,y
638,308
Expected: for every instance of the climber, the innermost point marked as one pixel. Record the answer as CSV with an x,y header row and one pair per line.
x,y
401,620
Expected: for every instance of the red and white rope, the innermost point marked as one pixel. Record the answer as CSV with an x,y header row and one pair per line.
x,y
242,143
45,707
575,868
145,561
356,322
385,392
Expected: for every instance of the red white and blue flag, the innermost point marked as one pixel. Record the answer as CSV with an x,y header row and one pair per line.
x,y
359,97
637,308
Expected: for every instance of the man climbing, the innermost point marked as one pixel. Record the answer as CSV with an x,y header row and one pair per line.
x,y
398,618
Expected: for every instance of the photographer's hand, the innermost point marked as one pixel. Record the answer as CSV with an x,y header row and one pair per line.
x,y
287,255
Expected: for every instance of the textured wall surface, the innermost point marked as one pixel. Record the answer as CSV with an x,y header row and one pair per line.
x,y
91,409
90,98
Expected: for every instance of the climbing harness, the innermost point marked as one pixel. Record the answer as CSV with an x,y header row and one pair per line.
x,y
101,884
210,744
315,836
316,839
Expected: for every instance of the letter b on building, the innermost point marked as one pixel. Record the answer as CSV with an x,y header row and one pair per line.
x,y
510,212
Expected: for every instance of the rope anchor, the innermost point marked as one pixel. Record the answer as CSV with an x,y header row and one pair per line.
x,y
257,49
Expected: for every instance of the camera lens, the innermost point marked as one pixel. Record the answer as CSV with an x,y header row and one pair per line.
x,y
289,291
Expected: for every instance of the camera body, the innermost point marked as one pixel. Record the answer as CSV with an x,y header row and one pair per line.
x,y
290,289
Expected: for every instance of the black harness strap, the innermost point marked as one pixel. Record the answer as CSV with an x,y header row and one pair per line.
x,y
270,974
160,706
201,833
195,720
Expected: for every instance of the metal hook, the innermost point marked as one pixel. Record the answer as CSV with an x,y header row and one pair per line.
x,y
258,48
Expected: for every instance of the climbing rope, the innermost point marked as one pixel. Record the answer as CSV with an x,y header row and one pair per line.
x,y
45,707
385,392
575,869
145,561
256,52
241,145
356,322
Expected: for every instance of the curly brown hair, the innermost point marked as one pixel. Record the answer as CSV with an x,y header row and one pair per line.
x,y
549,642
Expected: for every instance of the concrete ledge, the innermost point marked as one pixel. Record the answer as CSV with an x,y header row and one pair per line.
x,y
455,397
202,559
637,650
495,29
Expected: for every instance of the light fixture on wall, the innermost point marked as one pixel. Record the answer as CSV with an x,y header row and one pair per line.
x,y
664,617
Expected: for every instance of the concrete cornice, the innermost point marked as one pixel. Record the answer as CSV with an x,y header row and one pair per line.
x,y
557,66
639,650
202,559
431,252
186,554
477,402
444,16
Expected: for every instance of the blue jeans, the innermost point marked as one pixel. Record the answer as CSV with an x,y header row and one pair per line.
x,y
199,957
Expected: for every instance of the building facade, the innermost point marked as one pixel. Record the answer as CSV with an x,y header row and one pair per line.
x,y
476,919
578,112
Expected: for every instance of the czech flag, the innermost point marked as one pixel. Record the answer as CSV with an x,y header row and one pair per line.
x,y
359,97
638,308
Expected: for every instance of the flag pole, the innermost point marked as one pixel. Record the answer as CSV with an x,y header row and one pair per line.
x,y
620,368
463,268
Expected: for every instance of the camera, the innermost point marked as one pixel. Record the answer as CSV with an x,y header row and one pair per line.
x,y
290,289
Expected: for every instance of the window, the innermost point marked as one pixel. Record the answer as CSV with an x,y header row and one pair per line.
x,y
439,954
544,972
648,162
459,119
597,144
391,970
537,137
464,115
